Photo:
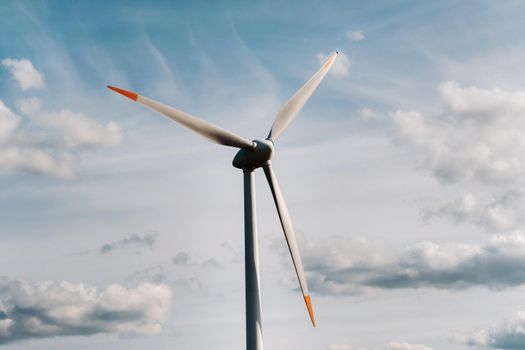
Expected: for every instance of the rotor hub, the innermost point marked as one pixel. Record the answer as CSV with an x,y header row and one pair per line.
x,y
249,159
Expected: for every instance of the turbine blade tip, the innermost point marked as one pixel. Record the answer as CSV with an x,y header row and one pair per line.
x,y
309,307
129,94
330,60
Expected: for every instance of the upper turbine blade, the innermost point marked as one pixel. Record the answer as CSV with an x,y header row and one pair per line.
x,y
297,101
208,130
289,234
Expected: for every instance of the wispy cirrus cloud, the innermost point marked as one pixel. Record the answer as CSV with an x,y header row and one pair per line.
x,y
31,310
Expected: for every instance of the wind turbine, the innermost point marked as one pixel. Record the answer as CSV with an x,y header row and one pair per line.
x,y
252,155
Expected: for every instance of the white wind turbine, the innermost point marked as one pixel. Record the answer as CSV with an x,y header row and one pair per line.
x,y
252,155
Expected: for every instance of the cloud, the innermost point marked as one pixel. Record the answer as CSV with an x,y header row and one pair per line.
x,y
478,136
36,161
133,241
184,259
8,122
24,73
508,334
50,309
341,266
28,105
389,346
366,113
48,145
505,212
355,35
181,258
14,155
78,131
341,66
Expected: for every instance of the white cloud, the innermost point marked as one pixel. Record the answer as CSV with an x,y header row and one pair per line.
x,y
355,35
29,105
389,346
8,122
25,74
49,145
36,161
508,334
50,309
79,131
368,113
341,65
479,136
505,212
340,266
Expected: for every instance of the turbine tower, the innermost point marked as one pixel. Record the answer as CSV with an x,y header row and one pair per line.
x,y
252,155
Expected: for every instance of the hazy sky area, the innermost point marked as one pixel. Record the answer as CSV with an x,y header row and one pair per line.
x,y
404,174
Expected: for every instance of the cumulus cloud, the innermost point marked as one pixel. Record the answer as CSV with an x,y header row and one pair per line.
x,y
389,346
355,35
508,334
50,309
505,212
28,105
366,113
341,65
14,155
24,73
78,131
478,136
341,266
133,241
36,161
8,122
49,144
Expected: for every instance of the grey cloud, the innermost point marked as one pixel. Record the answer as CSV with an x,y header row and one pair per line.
x,y
389,346
507,334
50,309
504,212
478,135
355,266
146,240
181,258
184,259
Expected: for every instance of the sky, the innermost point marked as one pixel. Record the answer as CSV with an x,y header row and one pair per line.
x,y
403,174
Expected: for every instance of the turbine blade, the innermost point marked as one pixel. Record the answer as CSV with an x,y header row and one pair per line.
x,y
208,130
297,101
289,234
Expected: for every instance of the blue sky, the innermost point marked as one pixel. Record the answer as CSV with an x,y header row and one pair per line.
x,y
403,174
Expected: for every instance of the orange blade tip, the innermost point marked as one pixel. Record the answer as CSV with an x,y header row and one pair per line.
x,y
128,94
309,307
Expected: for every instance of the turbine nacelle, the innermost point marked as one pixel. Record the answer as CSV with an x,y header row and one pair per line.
x,y
259,155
